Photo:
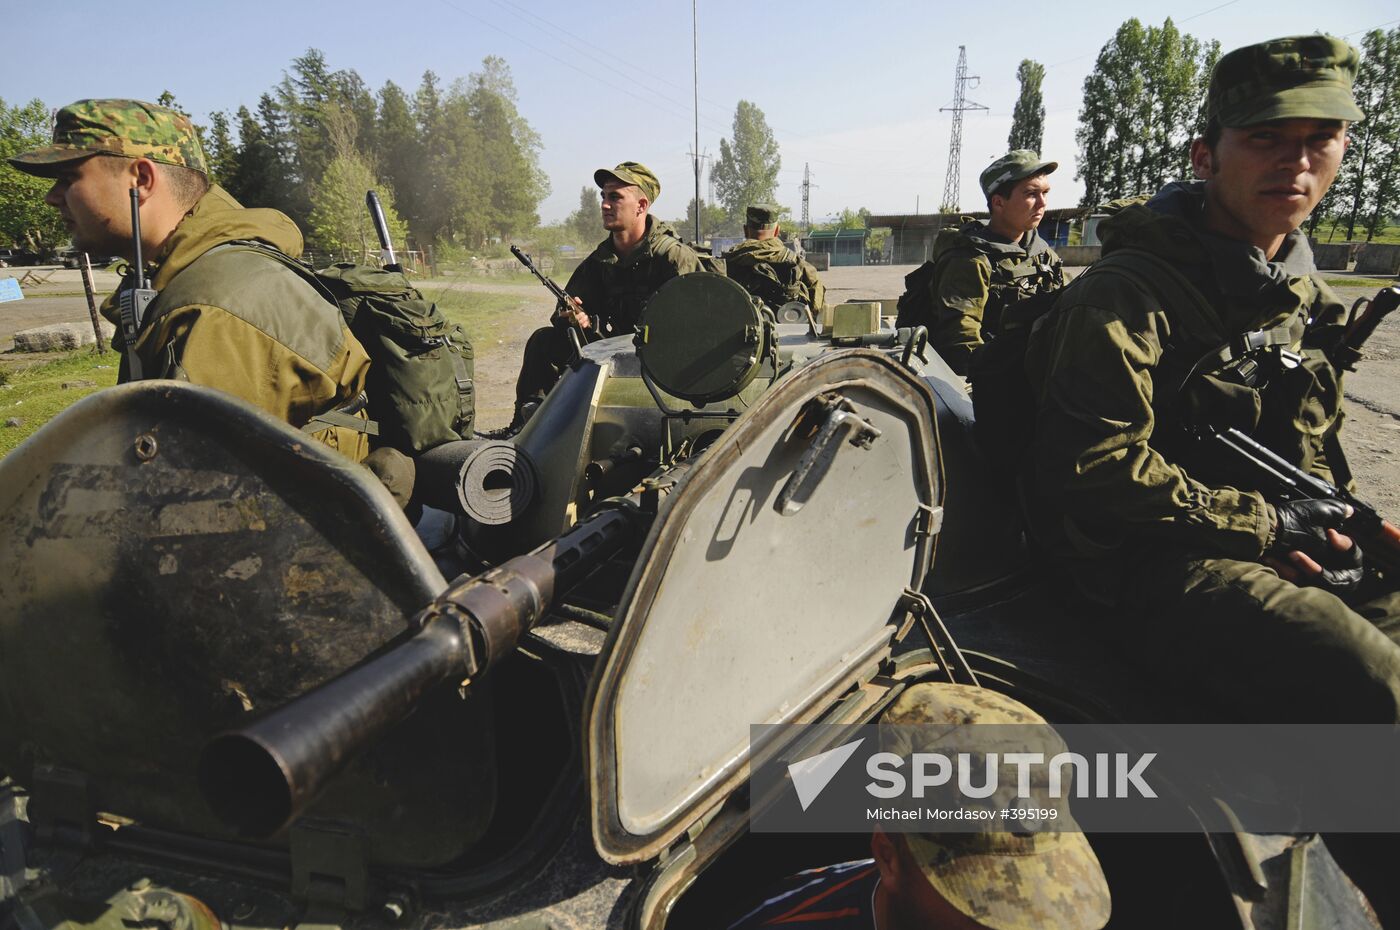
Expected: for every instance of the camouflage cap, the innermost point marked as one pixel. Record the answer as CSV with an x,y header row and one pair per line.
x,y
1013,166
631,172
1001,879
130,128
762,216
1298,77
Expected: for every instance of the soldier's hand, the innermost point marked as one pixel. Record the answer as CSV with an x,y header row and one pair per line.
x,y
1309,550
575,314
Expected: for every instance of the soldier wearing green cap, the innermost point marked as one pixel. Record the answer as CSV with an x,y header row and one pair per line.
x,y
980,269
229,318
769,270
612,284
1206,311
1048,879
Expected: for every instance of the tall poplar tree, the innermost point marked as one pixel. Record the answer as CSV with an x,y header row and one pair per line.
x,y
747,168
1028,118
1141,109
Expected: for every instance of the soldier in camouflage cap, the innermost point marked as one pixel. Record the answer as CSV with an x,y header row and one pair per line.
x,y
991,880
610,286
768,269
1206,311
980,270
224,316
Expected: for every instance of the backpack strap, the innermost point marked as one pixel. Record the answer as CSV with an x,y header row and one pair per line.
x,y
344,415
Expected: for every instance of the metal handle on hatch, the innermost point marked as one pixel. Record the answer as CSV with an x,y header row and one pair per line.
x,y
839,416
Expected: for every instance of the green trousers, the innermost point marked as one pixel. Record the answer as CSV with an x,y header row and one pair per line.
x,y
1263,649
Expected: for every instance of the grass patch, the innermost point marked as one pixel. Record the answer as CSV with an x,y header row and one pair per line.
x,y
1369,283
483,315
35,394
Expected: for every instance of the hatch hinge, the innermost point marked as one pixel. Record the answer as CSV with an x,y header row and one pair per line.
x,y
940,641
928,520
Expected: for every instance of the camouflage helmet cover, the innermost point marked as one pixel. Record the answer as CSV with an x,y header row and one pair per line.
x,y
1003,880
130,128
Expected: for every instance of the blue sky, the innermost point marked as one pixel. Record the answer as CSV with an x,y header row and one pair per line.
x,y
853,89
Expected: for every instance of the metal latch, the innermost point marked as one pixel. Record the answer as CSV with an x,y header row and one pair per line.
x,y
837,417
329,869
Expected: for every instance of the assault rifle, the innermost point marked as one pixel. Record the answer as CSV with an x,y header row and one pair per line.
x,y
1366,314
561,317
1282,480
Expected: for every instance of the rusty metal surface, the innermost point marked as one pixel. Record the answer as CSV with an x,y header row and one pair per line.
x,y
175,561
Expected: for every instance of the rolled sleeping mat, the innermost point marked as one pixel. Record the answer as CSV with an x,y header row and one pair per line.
x,y
489,480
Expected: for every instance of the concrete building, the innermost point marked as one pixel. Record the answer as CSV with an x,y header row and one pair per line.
x,y
912,234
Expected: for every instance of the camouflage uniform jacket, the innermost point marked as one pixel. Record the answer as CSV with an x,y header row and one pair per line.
x,y
1114,474
614,288
774,273
974,277
242,322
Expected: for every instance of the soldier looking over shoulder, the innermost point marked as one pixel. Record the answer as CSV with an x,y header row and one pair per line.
x,y
612,284
228,318
768,269
980,269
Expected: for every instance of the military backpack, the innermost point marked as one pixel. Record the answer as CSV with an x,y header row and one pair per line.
x,y
420,388
1003,401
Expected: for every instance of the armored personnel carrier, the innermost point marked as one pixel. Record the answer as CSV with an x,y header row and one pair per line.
x,y
238,691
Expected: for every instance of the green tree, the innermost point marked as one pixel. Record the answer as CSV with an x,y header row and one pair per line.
x,y
585,222
258,176
339,221
714,221
1369,182
1028,118
1141,109
400,152
220,152
747,168
24,217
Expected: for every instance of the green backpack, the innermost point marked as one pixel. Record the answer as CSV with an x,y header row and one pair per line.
x,y
421,365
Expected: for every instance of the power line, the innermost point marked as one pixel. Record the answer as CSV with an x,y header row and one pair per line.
x,y
565,36
953,184
675,107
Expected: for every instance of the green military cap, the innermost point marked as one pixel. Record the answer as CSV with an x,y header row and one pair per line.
x,y
1298,77
761,215
631,172
1013,166
130,128
1005,880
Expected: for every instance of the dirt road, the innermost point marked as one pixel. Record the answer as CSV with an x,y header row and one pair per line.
x,y
1373,393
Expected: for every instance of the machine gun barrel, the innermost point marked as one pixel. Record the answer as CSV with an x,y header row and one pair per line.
x,y
257,779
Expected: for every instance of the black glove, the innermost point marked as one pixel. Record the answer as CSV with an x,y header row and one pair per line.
x,y
1303,526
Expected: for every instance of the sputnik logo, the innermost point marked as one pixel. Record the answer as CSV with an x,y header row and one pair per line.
x,y
810,776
